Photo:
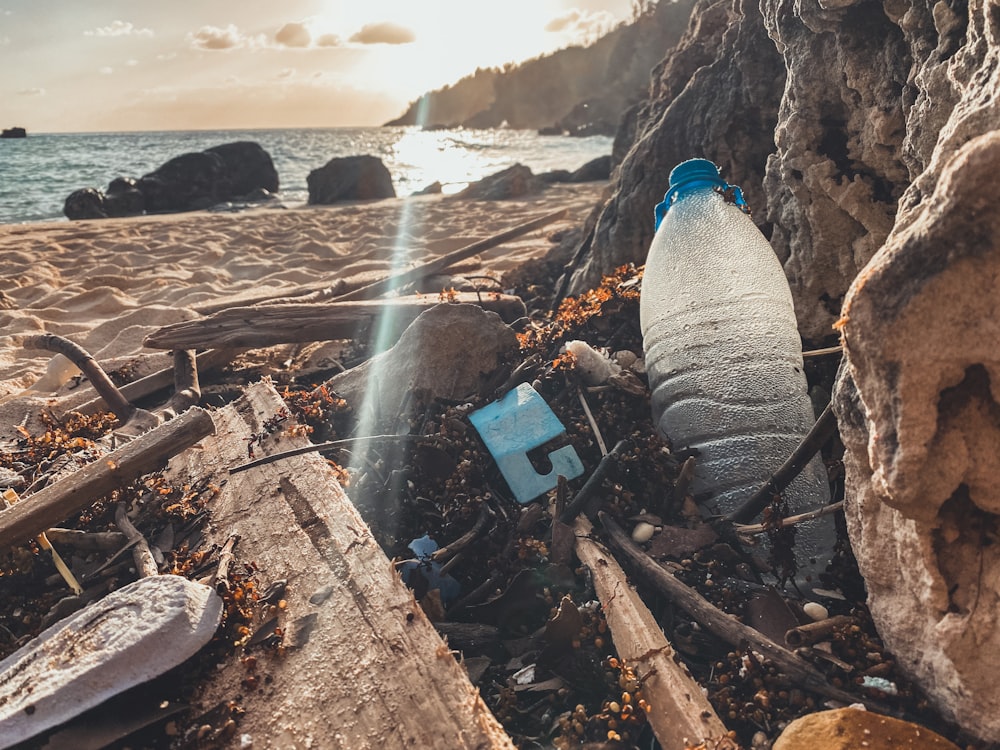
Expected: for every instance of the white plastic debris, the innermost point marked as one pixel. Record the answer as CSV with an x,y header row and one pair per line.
x,y
594,367
642,532
127,638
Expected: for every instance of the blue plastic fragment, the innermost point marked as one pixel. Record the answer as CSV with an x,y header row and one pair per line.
x,y
516,424
423,548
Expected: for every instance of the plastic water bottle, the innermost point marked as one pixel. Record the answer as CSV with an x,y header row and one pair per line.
x,y
723,352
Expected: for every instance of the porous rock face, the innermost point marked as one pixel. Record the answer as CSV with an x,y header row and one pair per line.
x,y
805,105
715,96
863,134
920,419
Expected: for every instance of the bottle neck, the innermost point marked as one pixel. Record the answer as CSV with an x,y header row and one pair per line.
x,y
699,185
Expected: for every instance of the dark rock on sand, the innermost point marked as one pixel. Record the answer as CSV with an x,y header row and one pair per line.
x,y
123,198
189,182
513,182
350,178
199,180
86,203
596,170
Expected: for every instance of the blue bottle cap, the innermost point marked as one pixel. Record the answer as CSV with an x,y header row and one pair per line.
x,y
695,169
691,174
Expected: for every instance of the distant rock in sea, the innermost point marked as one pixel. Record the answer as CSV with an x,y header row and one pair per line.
x,y
240,171
13,133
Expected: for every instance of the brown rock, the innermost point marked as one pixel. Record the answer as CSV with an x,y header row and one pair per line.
x,y
514,182
920,419
445,353
857,729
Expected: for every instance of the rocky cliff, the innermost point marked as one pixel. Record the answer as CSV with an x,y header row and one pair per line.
x,y
864,135
579,90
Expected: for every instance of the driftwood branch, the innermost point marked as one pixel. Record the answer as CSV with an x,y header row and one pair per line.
x,y
339,291
89,367
681,714
814,632
439,264
822,431
267,325
150,384
145,565
146,453
187,389
722,625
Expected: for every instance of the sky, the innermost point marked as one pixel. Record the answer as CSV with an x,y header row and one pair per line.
x,y
125,65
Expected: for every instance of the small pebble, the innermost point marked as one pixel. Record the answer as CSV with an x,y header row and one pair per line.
x,y
816,611
642,532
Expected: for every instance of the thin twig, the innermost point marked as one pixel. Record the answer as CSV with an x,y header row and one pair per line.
x,y
592,422
823,352
313,448
822,431
449,550
225,560
145,565
584,500
758,528
723,625
813,632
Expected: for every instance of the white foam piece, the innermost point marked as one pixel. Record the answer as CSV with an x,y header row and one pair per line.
x,y
122,640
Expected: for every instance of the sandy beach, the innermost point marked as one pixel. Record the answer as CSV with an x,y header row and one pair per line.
x,y
107,284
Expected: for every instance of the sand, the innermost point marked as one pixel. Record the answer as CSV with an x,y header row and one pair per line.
x,y
106,284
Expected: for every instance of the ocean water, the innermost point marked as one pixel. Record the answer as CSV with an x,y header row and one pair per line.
x,y
38,172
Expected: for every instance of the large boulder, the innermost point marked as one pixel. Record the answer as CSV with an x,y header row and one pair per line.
x,y
350,178
919,408
447,352
514,182
232,171
198,180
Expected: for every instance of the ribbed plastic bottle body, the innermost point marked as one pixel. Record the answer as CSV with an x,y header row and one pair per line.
x,y
724,355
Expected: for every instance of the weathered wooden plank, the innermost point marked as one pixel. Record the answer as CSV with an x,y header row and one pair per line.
x,y
368,670
267,325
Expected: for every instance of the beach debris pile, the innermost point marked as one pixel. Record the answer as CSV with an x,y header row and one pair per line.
x,y
528,584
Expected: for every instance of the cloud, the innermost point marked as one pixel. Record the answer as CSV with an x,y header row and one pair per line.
x,y
328,40
31,92
582,24
106,70
119,28
285,73
217,38
384,33
293,35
